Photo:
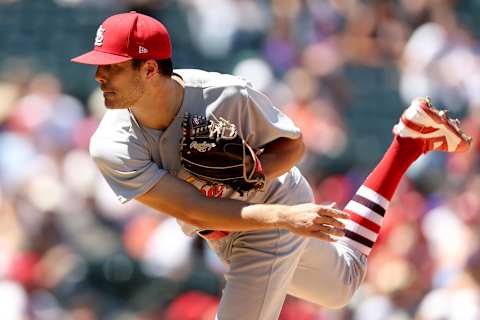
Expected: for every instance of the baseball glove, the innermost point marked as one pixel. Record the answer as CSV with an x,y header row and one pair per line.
x,y
213,151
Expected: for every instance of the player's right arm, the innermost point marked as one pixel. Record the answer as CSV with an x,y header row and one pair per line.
x,y
125,162
182,201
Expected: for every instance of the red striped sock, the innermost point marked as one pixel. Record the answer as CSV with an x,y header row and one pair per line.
x,y
367,208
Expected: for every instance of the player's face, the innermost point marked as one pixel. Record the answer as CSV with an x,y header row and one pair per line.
x,y
121,84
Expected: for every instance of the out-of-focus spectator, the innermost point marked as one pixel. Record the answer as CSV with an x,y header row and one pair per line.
x,y
192,306
460,299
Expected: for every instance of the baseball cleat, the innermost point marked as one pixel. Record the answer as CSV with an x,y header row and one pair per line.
x,y
438,132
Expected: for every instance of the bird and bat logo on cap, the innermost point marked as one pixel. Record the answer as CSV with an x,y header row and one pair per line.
x,y
99,37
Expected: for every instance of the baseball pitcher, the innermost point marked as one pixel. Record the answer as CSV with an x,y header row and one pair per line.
x,y
213,152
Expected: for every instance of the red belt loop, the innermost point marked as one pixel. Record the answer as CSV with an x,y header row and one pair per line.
x,y
212,234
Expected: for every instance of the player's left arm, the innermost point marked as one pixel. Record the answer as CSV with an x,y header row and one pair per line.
x,y
262,125
265,125
280,155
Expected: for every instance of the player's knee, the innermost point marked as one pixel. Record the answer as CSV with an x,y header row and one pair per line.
x,y
339,293
345,287
339,300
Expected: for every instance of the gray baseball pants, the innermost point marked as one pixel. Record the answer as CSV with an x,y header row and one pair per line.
x,y
265,266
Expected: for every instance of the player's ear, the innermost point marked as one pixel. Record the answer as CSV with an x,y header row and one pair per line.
x,y
150,68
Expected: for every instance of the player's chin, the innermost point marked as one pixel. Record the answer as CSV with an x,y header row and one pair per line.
x,y
111,104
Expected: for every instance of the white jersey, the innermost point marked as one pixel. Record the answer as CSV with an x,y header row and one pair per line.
x,y
133,158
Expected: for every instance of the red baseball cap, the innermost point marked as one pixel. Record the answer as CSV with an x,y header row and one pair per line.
x,y
128,36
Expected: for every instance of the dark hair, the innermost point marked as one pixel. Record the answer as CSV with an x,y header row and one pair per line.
x,y
165,66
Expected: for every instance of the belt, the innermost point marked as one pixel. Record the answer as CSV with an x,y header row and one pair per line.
x,y
212,234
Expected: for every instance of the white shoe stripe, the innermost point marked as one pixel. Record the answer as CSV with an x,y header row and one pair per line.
x,y
365,212
417,115
452,140
371,195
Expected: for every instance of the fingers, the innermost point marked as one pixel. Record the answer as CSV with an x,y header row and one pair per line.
x,y
327,227
322,220
332,212
328,230
332,205
317,221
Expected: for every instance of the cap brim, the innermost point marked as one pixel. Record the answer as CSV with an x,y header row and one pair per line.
x,y
100,58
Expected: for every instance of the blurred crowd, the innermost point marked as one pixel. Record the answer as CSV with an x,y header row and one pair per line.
x,y
343,70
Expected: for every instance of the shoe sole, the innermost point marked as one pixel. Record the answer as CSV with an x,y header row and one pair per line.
x,y
440,118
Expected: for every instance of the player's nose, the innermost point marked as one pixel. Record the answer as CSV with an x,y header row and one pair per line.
x,y
100,75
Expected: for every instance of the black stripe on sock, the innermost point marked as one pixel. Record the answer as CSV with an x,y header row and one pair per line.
x,y
369,204
358,238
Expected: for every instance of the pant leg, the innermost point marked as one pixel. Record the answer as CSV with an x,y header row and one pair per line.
x,y
261,264
328,274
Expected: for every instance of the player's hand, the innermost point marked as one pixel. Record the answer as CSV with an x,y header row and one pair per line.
x,y
314,220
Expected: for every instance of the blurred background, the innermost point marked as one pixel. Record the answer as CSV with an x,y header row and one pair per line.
x,y
343,70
